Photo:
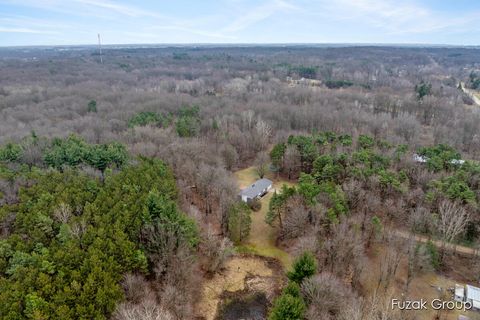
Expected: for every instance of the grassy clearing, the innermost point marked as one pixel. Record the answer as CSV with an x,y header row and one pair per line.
x,y
262,236
247,176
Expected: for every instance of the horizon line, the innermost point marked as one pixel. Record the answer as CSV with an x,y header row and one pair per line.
x,y
254,44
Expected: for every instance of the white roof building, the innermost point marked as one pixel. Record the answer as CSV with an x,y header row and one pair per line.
x,y
459,293
457,161
419,158
472,294
424,159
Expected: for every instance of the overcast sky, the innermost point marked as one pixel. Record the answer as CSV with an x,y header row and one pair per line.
x,y
50,22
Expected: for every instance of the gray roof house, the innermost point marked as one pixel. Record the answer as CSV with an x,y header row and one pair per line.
x,y
256,189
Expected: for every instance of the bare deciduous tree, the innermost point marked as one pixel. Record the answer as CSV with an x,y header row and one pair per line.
x,y
262,135
326,296
292,161
216,251
295,222
261,164
390,262
63,213
418,261
451,222
343,252
146,310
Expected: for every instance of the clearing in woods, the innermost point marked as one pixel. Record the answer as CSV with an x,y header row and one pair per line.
x,y
262,239
239,269
233,278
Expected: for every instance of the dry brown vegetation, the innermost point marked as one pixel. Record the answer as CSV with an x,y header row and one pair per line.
x,y
245,106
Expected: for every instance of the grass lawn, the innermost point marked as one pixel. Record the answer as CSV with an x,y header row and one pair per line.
x,y
262,236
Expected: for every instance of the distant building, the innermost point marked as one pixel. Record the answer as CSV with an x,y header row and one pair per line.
x,y
422,159
256,190
303,82
468,293
459,293
472,294
457,161
419,158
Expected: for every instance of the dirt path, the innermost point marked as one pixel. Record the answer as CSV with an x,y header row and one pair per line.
x,y
437,243
262,236
471,93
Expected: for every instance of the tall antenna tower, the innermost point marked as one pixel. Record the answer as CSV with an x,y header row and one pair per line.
x,y
100,48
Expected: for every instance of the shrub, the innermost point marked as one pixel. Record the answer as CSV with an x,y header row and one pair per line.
x,y
423,89
11,152
337,84
433,253
303,267
187,126
255,205
92,106
292,289
345,140
287,307
239,221
365,141
144,118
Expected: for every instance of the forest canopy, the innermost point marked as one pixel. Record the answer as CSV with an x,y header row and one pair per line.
x,y
75,237
363,144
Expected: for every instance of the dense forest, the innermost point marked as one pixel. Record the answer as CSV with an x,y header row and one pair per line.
x,y
118,197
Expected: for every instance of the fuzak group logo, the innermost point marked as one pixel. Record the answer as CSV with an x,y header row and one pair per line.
x,y
435,304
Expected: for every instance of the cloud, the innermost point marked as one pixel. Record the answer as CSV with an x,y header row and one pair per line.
x,y
103,9
258,14
192,31
243,20
23,24
396,17
119,8
25,30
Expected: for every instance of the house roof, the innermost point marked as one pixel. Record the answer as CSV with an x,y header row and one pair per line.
x,y
473,293
459,290
419,158
423,159
256,188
